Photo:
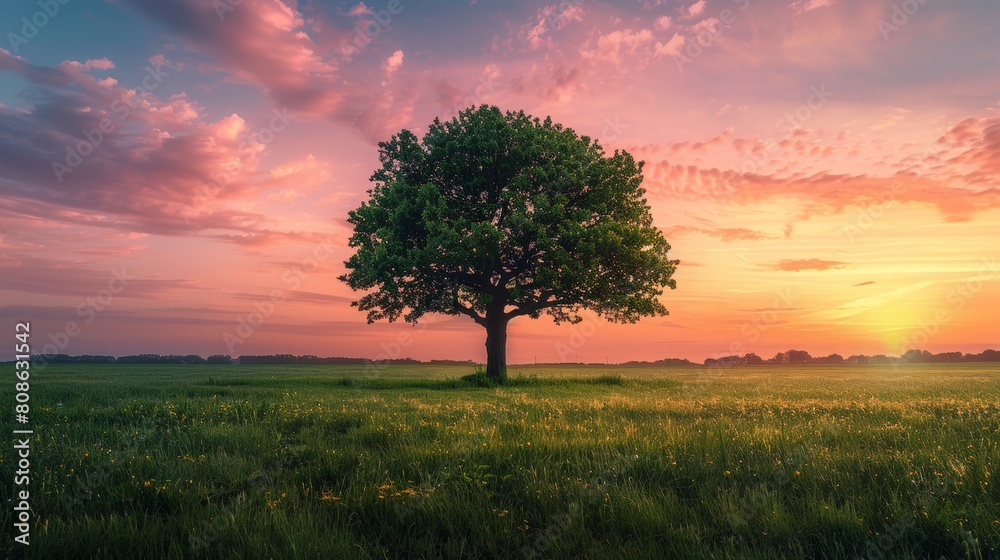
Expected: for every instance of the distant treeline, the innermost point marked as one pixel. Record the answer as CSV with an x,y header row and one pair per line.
x,y
274,359
134,359
803,357
663,362
790,357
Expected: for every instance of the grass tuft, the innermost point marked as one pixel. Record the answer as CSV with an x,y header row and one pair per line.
x,y
479,378
523,381
612,379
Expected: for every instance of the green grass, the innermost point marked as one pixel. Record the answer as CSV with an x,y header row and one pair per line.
x,y
585,462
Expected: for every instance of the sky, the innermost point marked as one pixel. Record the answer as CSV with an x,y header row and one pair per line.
x,y
175,177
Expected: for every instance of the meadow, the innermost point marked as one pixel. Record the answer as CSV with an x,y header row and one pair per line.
x,y
292,462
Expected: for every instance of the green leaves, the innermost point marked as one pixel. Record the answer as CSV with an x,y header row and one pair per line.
x,y
497,212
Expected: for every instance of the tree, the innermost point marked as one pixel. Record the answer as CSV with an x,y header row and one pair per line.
x,y
947,357
498,215
752,359
831,359
798,357
779,358
916,356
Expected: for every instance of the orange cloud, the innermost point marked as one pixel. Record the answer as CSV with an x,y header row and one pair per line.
x,y
727,235
797,265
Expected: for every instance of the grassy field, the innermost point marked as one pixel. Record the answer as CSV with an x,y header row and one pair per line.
x,y
586,462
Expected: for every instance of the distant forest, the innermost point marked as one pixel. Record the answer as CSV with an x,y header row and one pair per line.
x,y
795,357
803,357
273,359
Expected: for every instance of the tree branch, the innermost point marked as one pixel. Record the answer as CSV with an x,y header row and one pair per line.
x,y
528,309
470,281
519,266
465,310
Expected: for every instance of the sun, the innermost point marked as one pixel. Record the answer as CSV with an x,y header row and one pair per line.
x,y
897,324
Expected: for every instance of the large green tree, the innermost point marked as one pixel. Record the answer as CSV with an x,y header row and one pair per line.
x,y
496,215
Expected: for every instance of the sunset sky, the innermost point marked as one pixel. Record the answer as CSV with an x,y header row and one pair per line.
x,y
825,170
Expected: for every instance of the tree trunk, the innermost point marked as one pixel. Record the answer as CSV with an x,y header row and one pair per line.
x,y
496,347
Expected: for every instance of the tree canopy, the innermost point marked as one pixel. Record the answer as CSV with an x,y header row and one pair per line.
x,y
496,215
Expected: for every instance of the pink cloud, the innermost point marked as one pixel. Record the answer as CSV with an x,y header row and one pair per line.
x,y
118,159
671,47
268,43
977,141
359,10
392,64
548,19
256,40
801,6
959,179
98,64
612,46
